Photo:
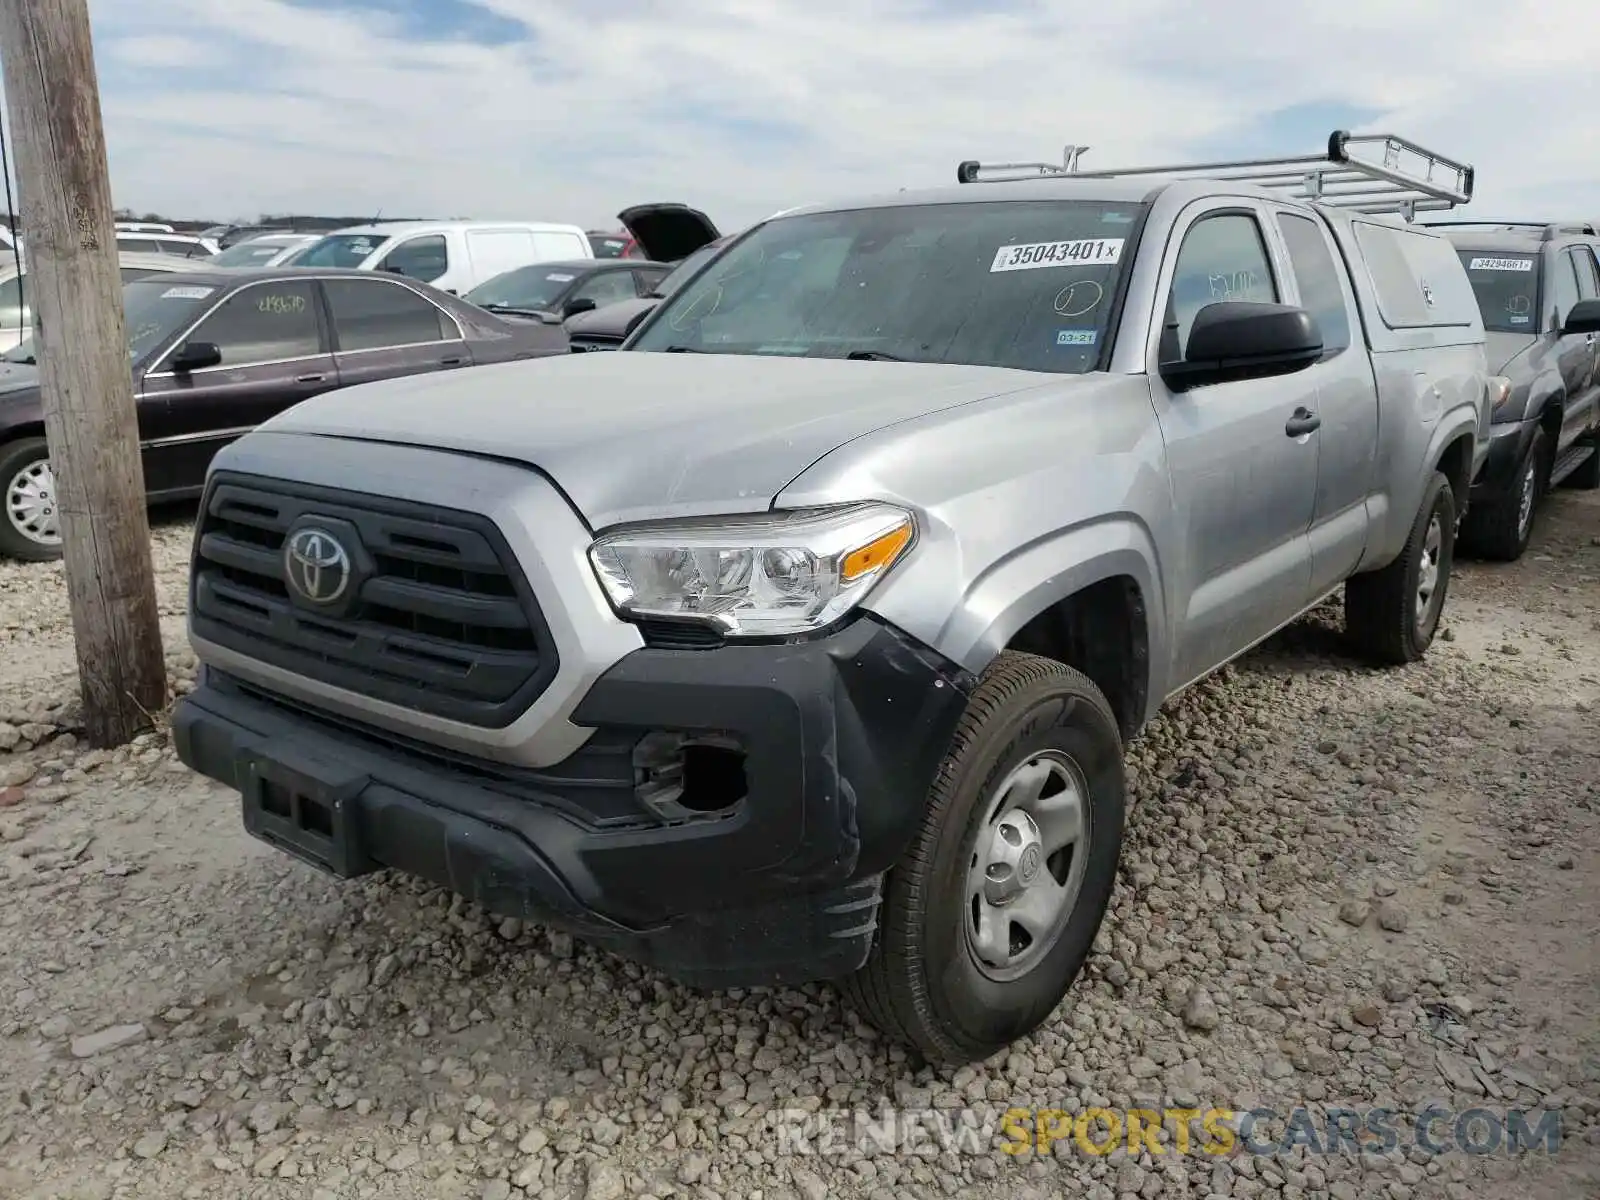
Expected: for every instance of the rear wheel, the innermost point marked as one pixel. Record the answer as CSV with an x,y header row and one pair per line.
x,y
1392,614
1500,529
990,916
30,525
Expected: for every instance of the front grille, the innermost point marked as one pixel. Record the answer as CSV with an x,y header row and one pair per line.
x,y
443,620
585,343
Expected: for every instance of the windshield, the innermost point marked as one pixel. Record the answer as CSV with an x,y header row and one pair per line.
x,y
679,275
248,254
1507,287
343,250
152,311
526,287
1024,284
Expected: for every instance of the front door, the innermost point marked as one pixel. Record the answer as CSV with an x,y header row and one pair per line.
x,y
383,329
1579,367
274,355
1243,488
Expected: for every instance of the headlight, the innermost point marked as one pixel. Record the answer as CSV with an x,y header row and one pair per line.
x,y
760,576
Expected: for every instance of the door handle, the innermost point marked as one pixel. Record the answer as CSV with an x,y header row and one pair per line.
x,y
450,362
1303,422
309,378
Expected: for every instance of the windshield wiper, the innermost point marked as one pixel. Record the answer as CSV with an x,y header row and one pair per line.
x,y
684,350
874,356
514,310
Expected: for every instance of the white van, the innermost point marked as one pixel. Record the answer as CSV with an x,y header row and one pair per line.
x,y
454,256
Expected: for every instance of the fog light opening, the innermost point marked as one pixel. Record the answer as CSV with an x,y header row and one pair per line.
x,y
713,777
680,777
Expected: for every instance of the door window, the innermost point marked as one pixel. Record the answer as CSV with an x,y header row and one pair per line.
x,y
1563,289
267,323
424,258
373,315
650,280
607,288
1588,278
1321,293
1222,258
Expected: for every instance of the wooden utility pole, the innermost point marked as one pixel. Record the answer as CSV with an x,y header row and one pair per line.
x,y
75,291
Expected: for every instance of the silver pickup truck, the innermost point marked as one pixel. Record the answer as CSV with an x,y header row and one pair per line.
x,y
801,639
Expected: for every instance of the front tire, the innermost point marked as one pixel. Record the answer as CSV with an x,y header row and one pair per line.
x,y
1500,530
30,523
1392,614
990,916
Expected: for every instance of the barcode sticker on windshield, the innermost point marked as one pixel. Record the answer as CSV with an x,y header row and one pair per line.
x,y
1084,252
1500,264
560,278
187,293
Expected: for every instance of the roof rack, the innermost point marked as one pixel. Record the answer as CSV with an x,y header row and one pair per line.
x,y
1549,230
1405,178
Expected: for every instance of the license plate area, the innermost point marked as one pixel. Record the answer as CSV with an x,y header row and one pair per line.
x,y
309,813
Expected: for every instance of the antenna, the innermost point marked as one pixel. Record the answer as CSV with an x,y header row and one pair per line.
x,y
1402,177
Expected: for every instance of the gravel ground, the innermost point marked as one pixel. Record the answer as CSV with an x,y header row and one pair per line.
x,y
1341,887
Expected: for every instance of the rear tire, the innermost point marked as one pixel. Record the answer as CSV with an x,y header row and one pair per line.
x,y
1500,529
1392,614
1587,477
984,926
29,510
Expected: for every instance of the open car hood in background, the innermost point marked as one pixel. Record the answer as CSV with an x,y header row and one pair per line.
x,y
668,232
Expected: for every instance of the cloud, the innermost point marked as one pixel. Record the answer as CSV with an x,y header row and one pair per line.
x,y
550,109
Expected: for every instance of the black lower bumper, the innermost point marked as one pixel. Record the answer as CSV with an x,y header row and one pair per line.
x,y
729,822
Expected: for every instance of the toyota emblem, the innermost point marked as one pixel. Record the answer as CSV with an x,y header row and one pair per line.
x,y
317,565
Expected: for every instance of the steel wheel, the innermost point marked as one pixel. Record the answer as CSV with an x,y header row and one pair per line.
x,y
1027,868
1428,569
31,503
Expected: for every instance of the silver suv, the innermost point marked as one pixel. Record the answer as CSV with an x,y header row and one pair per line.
x,y
802,638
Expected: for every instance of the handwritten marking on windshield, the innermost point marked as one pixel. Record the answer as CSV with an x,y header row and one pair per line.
x,y
1079,297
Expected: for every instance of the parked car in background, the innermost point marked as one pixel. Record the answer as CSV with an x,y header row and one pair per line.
x,y
9,241
16,315
264,250
1538,288
565,289
179,245
453,256
215,353
802,639
608,326
143,227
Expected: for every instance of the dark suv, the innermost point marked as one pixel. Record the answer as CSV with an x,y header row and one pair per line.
x,y
1538,288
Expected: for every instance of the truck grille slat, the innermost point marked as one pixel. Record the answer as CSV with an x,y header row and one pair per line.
x,y
442,619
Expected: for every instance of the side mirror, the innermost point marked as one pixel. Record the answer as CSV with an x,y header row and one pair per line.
x,y
580,304
1235,340
195,356
1582,317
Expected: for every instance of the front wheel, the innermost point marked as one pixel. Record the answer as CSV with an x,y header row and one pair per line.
x,y
30,524
1392,614
989,918
1499,529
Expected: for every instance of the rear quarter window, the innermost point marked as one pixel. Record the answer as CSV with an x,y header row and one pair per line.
x,y
1420,283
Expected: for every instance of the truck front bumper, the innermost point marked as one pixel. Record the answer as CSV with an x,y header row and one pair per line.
x,y
729,822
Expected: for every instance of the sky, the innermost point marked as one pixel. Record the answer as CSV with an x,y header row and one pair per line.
x,y
569,110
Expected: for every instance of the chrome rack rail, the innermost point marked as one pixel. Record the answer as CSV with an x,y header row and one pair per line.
x,y
1399,177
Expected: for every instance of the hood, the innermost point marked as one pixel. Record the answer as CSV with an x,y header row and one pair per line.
x,y
610,321
668,232
633,436
17,377
1502,349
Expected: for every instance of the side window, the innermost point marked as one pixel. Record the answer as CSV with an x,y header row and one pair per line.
x,y
1588,279
1563,289
1222,258
138,245
12,313
1318,276
650,280
607,288
423,258
263,324
373,315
